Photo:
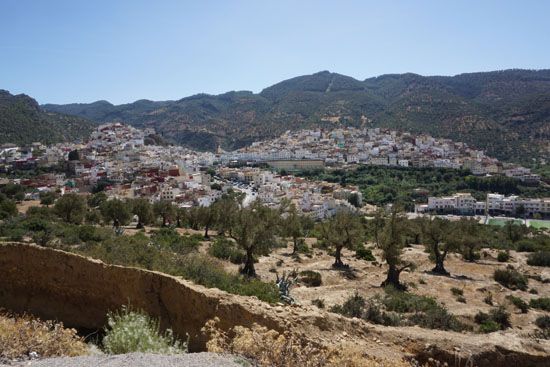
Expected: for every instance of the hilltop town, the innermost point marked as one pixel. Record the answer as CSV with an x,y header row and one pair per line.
x,y
125,162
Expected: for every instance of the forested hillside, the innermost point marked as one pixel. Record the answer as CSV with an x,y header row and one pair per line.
x,y
22,122
506,112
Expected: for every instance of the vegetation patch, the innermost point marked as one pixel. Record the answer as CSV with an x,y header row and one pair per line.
x,y
310,278
131,331
543,323
22,335
542,303
364,253
225,249
539,258
511,278
138,251
399,308
496,319
519,303
503,256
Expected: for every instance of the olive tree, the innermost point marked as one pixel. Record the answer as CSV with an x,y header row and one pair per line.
x,y
116,211
254,230
437,236
165,210
343,230
143,210
71,208
392,241
295,226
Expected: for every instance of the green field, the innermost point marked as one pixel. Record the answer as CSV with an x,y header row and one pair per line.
x,y
502,222
538,224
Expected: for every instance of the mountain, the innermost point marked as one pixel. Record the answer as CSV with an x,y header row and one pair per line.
x,y
506,113
22,121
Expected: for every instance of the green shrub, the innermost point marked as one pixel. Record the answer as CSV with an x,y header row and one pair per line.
x,y
542,303
134,331
302,247
374,314
489,326
511,279
139,252
211,273
539,258
488,299
526,246
498,316
426,311
318,302
543,322
404,302
170,239
354,306
310,278
503,256
363,253
519,303
457,291
481,317
436,318
501,317
225,249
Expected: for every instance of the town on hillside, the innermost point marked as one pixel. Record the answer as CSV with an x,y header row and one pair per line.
x,y
124,162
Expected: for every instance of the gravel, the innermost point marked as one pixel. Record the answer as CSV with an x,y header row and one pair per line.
x,y
140,360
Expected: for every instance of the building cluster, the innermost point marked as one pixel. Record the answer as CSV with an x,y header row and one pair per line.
x,y
316,199
495,204
118,159
306,149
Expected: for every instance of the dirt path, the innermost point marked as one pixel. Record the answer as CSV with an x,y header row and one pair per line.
x,y
140,360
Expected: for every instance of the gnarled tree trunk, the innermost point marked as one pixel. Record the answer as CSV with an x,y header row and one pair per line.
x,y
248,269
338,258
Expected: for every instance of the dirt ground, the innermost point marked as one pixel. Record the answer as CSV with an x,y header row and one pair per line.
x,y
474,279
23,206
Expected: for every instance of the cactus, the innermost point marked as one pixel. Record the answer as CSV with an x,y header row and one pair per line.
x,y
284,283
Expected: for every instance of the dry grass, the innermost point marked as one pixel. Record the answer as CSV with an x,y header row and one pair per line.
x,y
21,335
270,348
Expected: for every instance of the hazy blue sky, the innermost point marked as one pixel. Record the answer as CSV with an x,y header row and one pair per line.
x,y
82,51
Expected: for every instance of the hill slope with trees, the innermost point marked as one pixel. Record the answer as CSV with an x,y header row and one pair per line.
x,y
22,121
507,113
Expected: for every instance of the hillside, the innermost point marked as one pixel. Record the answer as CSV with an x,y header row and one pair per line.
x,y
22,121
506,112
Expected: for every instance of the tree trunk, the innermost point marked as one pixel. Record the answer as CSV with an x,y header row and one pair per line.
x,y
248,269
178,222
393,278
439,259
206,236
338,258
116,223
163,221
439,268
295,248
139,225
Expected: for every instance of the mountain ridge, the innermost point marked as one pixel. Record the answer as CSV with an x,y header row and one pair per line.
x,y
22,121
505,112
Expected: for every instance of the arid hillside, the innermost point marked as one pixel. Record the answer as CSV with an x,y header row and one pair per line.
x,y
79,291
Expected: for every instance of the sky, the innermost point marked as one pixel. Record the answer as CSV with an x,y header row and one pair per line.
x,y
64,51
